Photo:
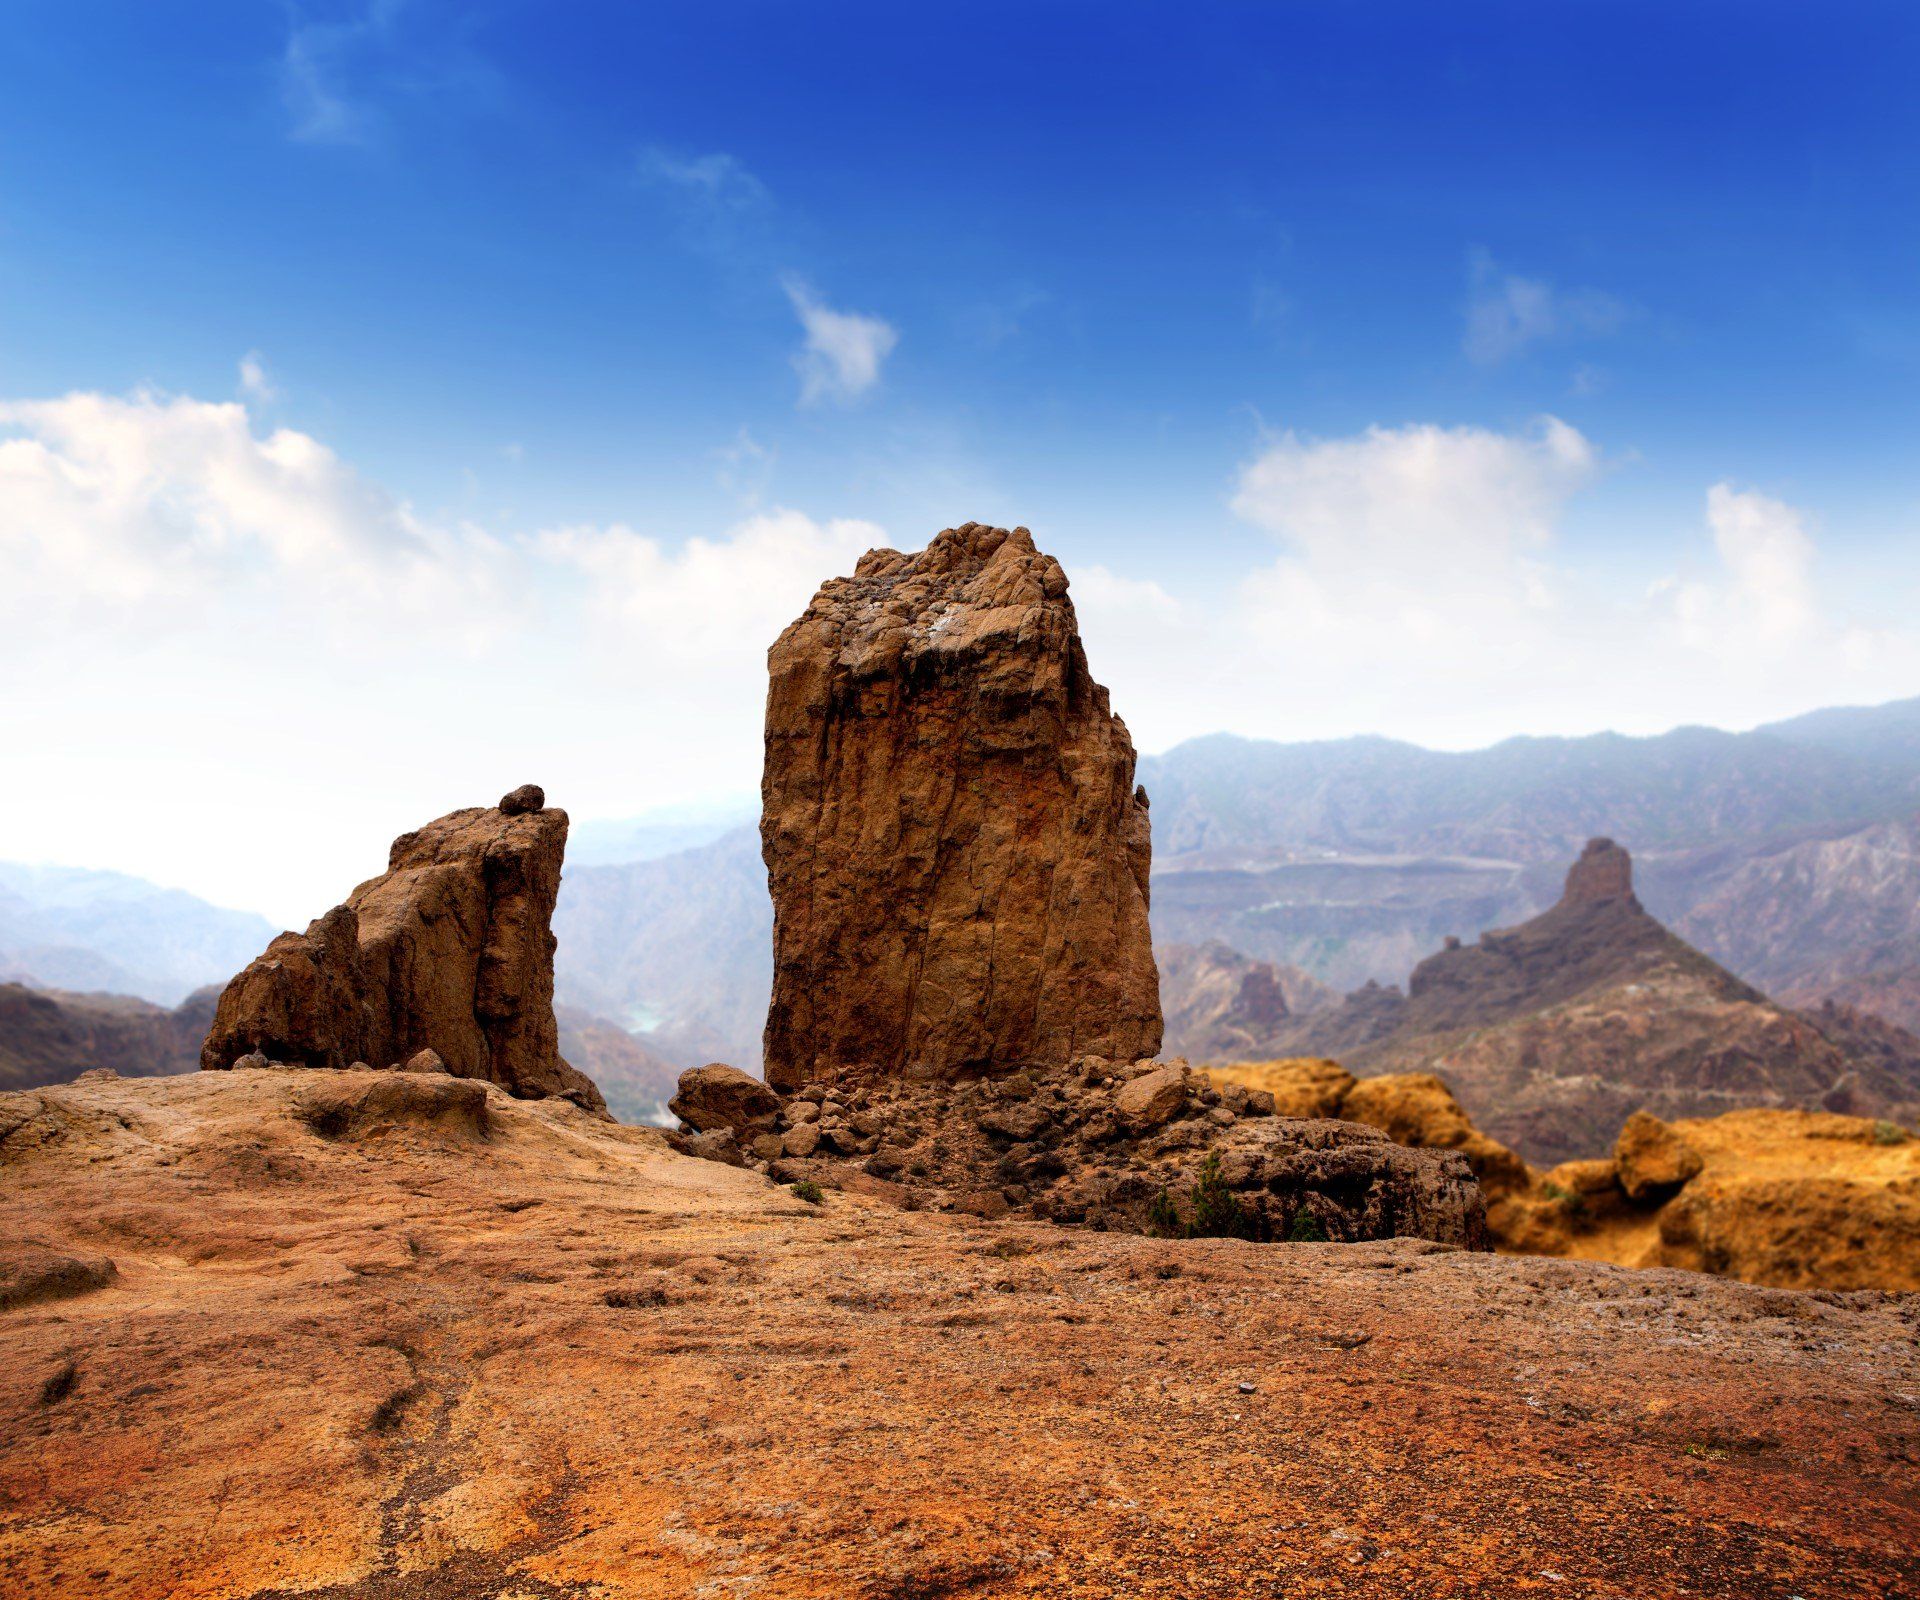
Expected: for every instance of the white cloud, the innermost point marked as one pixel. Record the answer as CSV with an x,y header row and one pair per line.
x,y
313,71
1506,312
254,381
238,664
1424,587
843,350
1763,596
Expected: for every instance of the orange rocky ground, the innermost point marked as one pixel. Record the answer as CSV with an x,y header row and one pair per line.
x,y
1789,1199
350,1334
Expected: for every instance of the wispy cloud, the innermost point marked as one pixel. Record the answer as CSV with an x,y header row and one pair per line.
x,y
341,73
717,179
314,72
1507,312
843,351
255,384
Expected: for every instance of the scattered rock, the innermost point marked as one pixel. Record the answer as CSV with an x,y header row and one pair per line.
x,y
1154,1100
426,1061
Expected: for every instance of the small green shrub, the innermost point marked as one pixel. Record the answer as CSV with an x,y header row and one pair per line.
x,y
1575,1203
1889,1133
806,1189
1306,1229
1163,1220
1216,1211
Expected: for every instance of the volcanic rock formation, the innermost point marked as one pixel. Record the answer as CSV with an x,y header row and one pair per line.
x,y
956,850
450,950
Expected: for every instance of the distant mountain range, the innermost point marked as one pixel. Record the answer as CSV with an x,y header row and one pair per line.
x,y
71,928
1789,854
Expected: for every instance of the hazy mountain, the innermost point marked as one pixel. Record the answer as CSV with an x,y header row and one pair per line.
x,y
70,928
48,1036
1351,858
1787,854
664,831
678,950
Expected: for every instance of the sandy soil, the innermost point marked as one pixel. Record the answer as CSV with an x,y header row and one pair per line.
x,y
434,1352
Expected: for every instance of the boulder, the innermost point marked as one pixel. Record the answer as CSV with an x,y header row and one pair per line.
x,y
1653,1160
1153,1100
427,1061
720,1096
449,950
955,847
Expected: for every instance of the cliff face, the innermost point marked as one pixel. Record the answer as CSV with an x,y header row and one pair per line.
x,y
956,850
449,950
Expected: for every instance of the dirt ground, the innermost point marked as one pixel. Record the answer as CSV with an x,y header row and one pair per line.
x,y
387,1344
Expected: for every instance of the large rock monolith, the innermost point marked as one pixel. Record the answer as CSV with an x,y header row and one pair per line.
x,y
449,951
957,852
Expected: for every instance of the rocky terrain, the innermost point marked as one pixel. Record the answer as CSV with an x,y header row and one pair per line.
x,y
1790,1199
1554,1031
374,1335
450,951
956,849
1122,1146
50,1036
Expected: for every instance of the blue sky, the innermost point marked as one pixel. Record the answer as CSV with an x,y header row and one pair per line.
x,y
386,376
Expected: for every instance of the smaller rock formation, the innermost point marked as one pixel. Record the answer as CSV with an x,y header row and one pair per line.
x,y
1791,1199
1411,1108
955,847
448,954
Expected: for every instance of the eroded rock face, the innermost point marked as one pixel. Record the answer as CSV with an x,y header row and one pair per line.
x,y
450,951
957,852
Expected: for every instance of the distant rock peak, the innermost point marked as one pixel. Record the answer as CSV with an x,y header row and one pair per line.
x,y
1603,872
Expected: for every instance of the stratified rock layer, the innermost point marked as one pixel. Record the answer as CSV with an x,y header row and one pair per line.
x,y
450,950
957,853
